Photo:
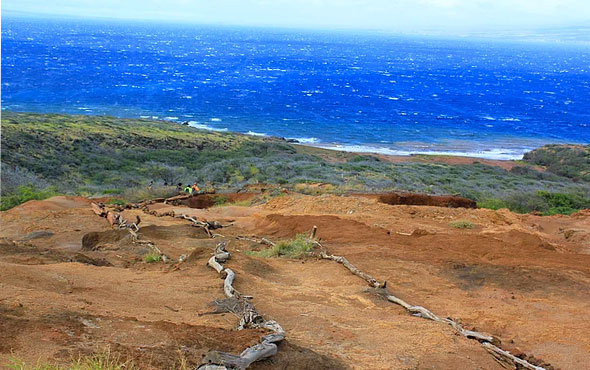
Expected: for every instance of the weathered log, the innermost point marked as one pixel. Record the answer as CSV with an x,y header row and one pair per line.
x,y
249,318
342,260
313,232
496,351
177,197
112,218
98,210
255,240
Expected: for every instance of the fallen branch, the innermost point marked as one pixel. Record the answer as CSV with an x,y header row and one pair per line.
x,y
115,219
486,340
255,240
249,318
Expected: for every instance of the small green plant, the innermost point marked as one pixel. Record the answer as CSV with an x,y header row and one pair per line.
x,y
299,247
115,201
462,224
152,257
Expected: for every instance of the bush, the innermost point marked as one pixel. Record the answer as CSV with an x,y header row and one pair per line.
x,y
462,225
559,203
117,202
299,247
152,257
220,201
24,194
494,204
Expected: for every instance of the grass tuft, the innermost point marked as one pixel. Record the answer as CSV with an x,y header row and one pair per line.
x,y
299,247
101,361
152,258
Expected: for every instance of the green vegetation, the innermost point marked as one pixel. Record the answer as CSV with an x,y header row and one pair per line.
x,y
25,193
299,247
152,257
220,201
102,361
462,224
91,156
571,161
545,202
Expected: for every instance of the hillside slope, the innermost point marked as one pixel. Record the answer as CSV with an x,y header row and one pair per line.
x,y
94,156
71,285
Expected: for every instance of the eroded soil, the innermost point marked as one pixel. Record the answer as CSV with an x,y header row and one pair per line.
x,y
70,285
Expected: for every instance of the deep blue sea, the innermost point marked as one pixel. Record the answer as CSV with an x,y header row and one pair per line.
x,y
350,91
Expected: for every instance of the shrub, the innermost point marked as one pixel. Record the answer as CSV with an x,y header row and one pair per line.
x,y
24,194
559,203
299,247
152,257
118,202
494,204
220,201
462,224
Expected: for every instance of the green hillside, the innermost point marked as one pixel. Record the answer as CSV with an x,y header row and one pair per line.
x,y
45,154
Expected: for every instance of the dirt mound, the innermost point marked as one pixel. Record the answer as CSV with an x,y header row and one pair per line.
x,y
155,232
412,199
52,204
97,240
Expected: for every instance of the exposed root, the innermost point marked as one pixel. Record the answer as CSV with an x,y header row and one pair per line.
x,y
249,318
116,220
487,341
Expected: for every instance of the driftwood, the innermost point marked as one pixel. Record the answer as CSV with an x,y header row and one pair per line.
x,y
116,220
100,211
256,240
206,225
249,318
487,341
178,197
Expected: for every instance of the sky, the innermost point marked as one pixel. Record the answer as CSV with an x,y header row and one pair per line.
x,y
415,16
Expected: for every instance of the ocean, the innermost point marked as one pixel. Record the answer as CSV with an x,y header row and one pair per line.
x,y
363,91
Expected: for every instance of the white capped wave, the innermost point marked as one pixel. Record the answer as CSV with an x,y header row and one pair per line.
x,y
305,140
215,119
255,133
510,119
496,153
201,126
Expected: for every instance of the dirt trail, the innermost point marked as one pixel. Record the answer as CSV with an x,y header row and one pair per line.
x,y
522,278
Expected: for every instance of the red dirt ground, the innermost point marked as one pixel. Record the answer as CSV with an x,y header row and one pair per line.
x,y
522,278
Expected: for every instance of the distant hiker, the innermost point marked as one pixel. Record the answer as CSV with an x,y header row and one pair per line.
x,y
196,187
179,188
165,183
149,187
188,189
